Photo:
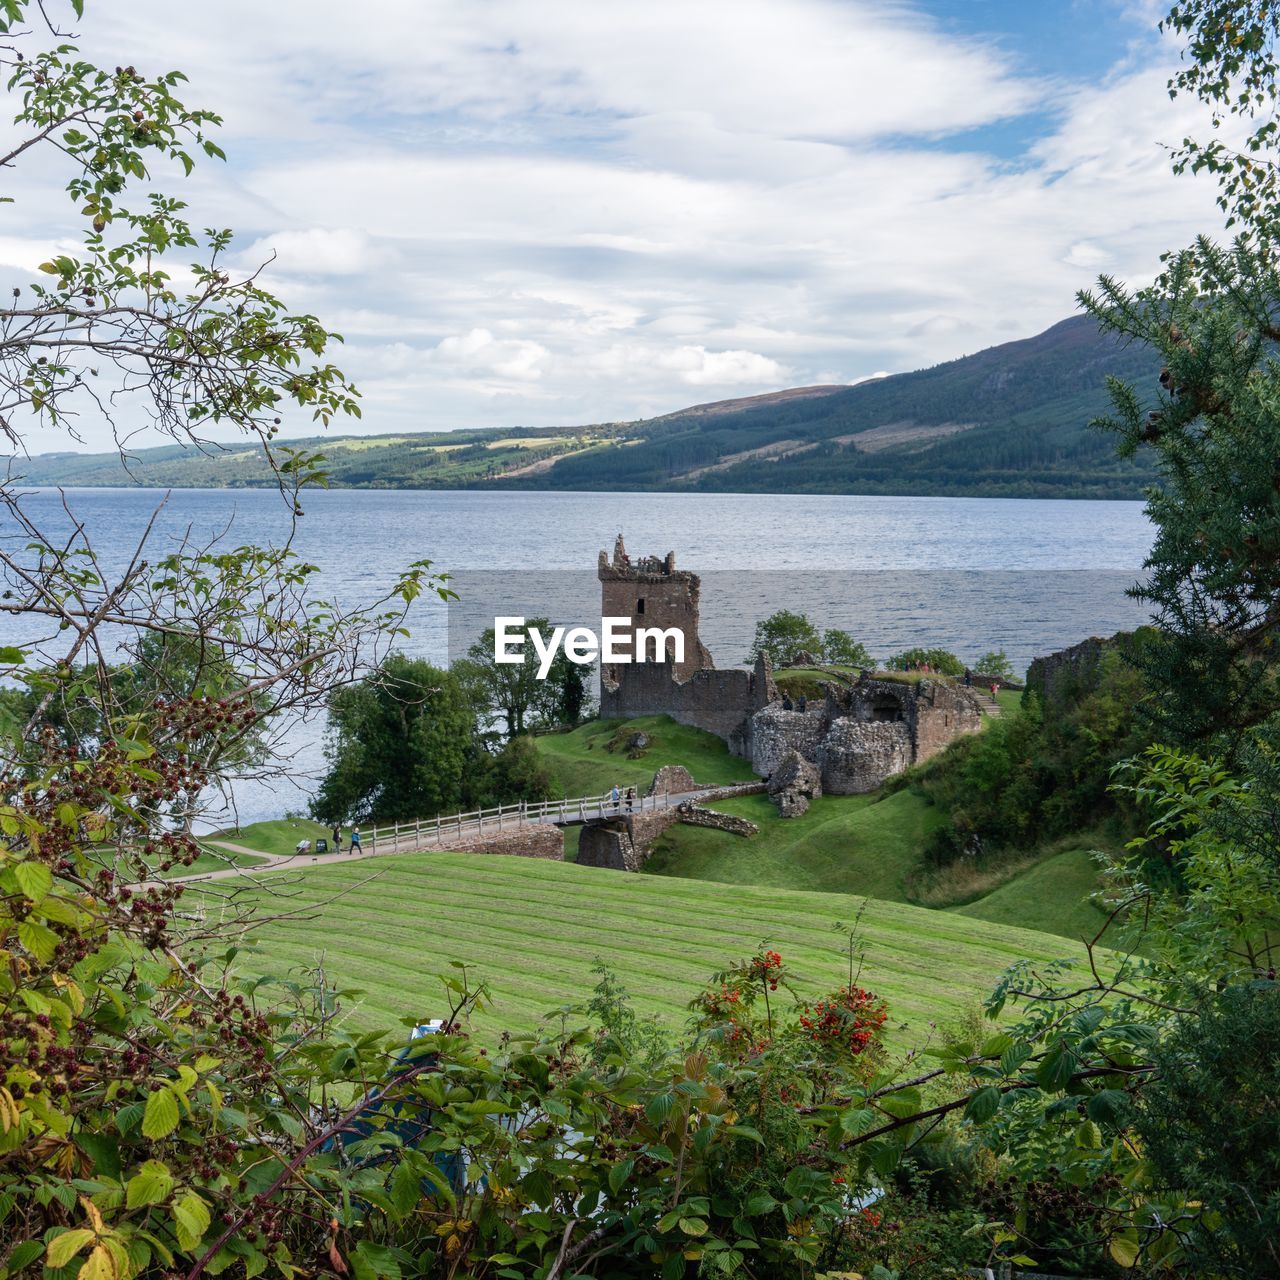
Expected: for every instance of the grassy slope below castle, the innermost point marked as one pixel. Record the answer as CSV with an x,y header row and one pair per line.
x,y
845,844
534,930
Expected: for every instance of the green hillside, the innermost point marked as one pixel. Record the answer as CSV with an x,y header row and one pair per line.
x,y
533,930
1010,421
871,844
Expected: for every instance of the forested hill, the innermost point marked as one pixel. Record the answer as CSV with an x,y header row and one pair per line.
x,y
1011,421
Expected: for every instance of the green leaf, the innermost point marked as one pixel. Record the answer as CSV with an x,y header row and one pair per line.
x,y
1054,1072
620,1174
40,940
757,1203
150,1185
659,1107
983,1105
406,1187
382,1260
190,1219
11,655
901,1104
693,1226
22,1256
161,1116
61,1249
1108,1106
34,879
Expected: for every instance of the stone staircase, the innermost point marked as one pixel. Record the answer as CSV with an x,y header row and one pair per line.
x,y
990,707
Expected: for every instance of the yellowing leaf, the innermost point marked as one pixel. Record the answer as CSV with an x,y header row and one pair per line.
x,y
1124,1249
63,1248
34,879
150,1185
161,1115
100,1265
190,1219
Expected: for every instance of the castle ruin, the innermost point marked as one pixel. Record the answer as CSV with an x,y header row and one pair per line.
x,y
856,737
653,593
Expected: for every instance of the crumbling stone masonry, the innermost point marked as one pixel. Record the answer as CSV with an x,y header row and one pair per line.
x,y
861,735
857,737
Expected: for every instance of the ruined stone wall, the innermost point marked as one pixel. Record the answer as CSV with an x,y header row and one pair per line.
x,y
536,840
942,713
623,844
717,701
653,593
861,735
775,733
1060,676
695,816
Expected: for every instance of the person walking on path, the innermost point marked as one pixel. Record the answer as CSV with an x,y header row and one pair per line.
x,y
995,688
354,844
337,837
615,796
968,678
631,798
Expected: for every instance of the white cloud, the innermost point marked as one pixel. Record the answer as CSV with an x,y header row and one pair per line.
x,y
577,212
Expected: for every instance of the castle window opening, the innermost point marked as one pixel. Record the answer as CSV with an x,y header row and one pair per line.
x,y
640,606
886,709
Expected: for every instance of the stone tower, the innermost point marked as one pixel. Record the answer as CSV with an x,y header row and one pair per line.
x,y
652,592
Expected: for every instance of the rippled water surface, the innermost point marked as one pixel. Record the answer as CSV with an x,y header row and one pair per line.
x,y
971,574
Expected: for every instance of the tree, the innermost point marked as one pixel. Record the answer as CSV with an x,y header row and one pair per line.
x,y
1213,574
518,772
785,636
514,689
400,745
840,649
941,661
995,663
1207,1121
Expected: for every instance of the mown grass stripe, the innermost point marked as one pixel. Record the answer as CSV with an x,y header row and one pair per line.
x,y
532,930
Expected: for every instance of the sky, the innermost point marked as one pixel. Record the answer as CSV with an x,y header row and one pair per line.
x,y
562,211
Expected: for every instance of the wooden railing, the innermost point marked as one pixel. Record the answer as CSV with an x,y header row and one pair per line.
x,y
406,836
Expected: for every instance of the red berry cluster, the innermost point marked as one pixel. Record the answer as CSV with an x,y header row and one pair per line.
x,y
767,967
850,1019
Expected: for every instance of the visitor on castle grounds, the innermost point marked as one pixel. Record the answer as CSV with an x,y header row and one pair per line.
x,y
354,846
802,705
786,702
631,798
995,688
968,678
337,837
615,795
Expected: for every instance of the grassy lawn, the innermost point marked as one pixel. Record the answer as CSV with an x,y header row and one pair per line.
x,y
215,859
533,930
279,836
584,764
1053,895
843,844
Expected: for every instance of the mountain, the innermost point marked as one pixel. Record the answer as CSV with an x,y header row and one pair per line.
x,y
1010,421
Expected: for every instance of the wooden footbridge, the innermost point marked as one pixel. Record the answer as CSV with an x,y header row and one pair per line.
x,y
433,833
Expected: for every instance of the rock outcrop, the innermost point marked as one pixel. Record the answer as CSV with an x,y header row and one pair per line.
x,y
793,784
